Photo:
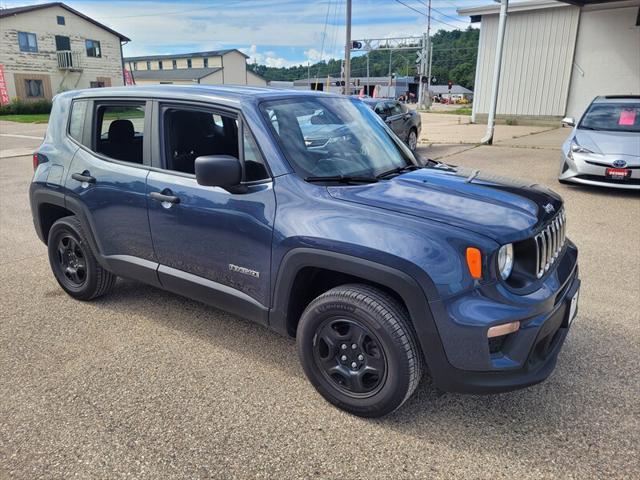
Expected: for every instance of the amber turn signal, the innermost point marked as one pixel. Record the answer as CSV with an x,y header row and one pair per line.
x,y
504,329
474,262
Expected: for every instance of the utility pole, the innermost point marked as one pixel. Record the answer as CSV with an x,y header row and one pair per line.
x,y
308,75
368,53
347,52
429,73
427,98
422,70
491,120
389,88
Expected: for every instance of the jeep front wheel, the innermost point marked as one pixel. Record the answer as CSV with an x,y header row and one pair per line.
x,y
358,350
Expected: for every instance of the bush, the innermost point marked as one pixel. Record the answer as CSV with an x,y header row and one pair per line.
x,y
21,107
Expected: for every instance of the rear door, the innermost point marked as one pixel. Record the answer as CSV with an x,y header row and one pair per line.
x,y
398,120
210,237
107,182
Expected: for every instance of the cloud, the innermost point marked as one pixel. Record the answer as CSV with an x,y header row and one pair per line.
x,y
269,58
291,31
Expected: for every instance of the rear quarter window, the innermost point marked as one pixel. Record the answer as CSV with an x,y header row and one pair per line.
x,y
76,119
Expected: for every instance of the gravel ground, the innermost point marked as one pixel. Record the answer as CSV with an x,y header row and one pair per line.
x,y
145,384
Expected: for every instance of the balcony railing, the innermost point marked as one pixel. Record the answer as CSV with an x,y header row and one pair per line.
x,y
68,60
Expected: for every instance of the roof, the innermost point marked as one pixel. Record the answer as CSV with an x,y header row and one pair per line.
x,y
227,94
7,12
209,53
174,74
456,89
494,8
617,99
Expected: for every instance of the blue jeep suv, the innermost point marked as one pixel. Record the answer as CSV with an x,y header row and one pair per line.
x,y
381,264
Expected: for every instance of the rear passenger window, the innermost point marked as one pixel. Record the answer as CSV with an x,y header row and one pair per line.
x,y
120,131
76,119
189,134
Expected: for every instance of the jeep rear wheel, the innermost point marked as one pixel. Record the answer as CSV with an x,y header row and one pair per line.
x,y
73,264
358,350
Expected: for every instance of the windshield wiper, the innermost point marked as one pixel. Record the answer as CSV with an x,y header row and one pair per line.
x,y
406,168
342,179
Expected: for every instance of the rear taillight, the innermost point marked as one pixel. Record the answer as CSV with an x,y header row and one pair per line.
x,y
38,159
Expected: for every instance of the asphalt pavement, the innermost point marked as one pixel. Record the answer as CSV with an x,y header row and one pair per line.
x,y
146,384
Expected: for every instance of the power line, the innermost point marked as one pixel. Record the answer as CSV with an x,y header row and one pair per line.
x,y
457,27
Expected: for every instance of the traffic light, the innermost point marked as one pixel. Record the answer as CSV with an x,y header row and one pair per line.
x,y
450,85
356,45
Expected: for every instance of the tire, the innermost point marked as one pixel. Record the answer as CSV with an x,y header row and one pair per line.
x,y
73,264
412,140
383,363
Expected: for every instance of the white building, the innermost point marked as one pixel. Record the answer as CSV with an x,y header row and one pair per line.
x,y
215,67
557,57
50,47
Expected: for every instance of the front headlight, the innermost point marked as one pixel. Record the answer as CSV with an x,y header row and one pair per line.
x,y
577,148
505,260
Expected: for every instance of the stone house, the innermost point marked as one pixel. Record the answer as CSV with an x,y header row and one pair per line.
x,y
50,47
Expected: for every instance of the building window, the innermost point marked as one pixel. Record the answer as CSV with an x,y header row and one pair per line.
x,y
160,65
188,63
62,43
60,20
148,65
206,63
96,84
93,48
28,42
174,64
34,88
135,65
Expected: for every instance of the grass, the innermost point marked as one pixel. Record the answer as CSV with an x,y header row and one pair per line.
x,y
27,118
457,111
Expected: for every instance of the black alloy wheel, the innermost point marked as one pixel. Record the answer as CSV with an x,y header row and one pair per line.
x,y
350,355
357,347
74,264
72,261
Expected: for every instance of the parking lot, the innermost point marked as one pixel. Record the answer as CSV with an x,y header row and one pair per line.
x,y
146,384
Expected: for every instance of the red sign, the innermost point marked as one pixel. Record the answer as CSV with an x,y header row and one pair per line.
x,y
627,117
128,78
4,93
618,173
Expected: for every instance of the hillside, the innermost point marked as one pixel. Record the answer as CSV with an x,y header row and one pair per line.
x,y
454,58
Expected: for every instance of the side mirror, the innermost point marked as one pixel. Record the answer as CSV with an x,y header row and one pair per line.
x,y
569,121
218,171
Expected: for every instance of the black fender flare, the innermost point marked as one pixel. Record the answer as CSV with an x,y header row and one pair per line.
x,y
414,294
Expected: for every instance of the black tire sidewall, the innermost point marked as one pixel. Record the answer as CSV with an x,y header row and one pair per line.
x,y
397,381
67,226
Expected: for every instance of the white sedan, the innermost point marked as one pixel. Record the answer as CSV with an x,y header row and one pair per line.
x,y
604,146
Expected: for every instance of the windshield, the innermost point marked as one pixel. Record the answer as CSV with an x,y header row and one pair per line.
x,y
612,117
334,137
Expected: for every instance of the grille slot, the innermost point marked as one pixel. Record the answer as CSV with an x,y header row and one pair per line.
x,y
549,242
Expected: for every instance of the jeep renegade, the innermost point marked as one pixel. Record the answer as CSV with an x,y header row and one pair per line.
x,y
304,212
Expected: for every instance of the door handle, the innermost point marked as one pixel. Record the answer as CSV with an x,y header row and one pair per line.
x,y
83,177
164,198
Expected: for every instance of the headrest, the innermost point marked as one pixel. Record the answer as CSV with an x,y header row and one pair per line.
x,y
121,130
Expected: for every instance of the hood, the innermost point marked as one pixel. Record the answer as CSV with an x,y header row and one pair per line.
x,y
503,209
609,143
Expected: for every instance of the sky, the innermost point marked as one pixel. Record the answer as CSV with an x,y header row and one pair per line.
x,y
276,33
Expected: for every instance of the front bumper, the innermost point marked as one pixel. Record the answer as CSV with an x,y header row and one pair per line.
x,y
539,363
525,357
589,169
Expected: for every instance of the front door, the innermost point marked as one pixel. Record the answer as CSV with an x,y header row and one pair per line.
x,y
210,237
